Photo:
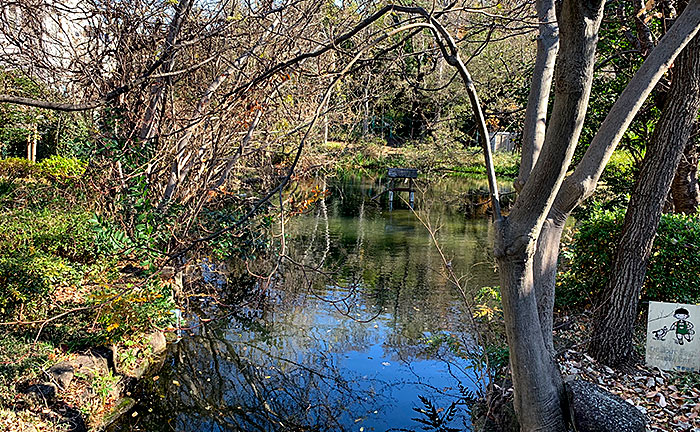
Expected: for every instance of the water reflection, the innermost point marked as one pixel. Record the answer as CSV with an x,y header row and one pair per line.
x,y
345,340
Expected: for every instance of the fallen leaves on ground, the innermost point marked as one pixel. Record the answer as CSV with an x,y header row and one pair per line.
x,y
670,400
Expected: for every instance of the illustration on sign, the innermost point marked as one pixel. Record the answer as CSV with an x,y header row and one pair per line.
x,y
671,341
683,327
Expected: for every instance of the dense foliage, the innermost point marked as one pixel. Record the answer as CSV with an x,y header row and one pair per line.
x,y
67,134
672,269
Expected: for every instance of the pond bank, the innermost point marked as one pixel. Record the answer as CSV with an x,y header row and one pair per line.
x,y
89,390
431,159
65,293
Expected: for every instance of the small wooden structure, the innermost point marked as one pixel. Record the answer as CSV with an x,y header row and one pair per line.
x,y
502,142
395,174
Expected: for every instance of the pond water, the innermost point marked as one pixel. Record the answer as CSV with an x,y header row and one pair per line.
x,y
360,331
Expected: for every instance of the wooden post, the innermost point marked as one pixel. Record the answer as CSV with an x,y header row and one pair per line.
x,y
32,139
391,194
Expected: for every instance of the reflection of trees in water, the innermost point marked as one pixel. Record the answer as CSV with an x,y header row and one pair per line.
x,y
285,370
388,263
224,384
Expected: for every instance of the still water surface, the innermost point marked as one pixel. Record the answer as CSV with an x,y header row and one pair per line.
x,y
346,339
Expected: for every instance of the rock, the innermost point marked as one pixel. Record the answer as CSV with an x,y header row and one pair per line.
x,y
41,393
90,365
71,418
63,374
596,410
157,342
120,408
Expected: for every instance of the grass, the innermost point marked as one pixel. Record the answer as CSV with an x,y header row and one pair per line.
x,y
374,158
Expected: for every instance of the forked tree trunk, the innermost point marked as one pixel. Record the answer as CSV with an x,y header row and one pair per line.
x,y
611,340
539,395
685,189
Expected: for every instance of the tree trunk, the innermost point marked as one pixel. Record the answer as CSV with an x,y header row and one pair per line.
x,y
539,391
611,341
32,143
644,36
539,396
685,190
365,111
545,270
581,184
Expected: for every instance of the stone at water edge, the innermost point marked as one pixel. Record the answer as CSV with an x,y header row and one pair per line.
x,y
157,342
596,410
62,373
91,364
41,394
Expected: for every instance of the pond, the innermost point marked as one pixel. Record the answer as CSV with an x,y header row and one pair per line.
x,y
360,331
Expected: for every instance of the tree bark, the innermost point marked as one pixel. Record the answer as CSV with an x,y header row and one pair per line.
x,y
545,269
534,127
539,393
685,190
611,341
644,35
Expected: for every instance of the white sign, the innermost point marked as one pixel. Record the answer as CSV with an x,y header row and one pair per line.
x,y
672,339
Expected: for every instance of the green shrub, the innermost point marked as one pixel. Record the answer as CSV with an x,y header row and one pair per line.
x,y
671,273
62,167
619,173
135,308
54,167
41,251
28,280
613,191
18,168
66,235
675,261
